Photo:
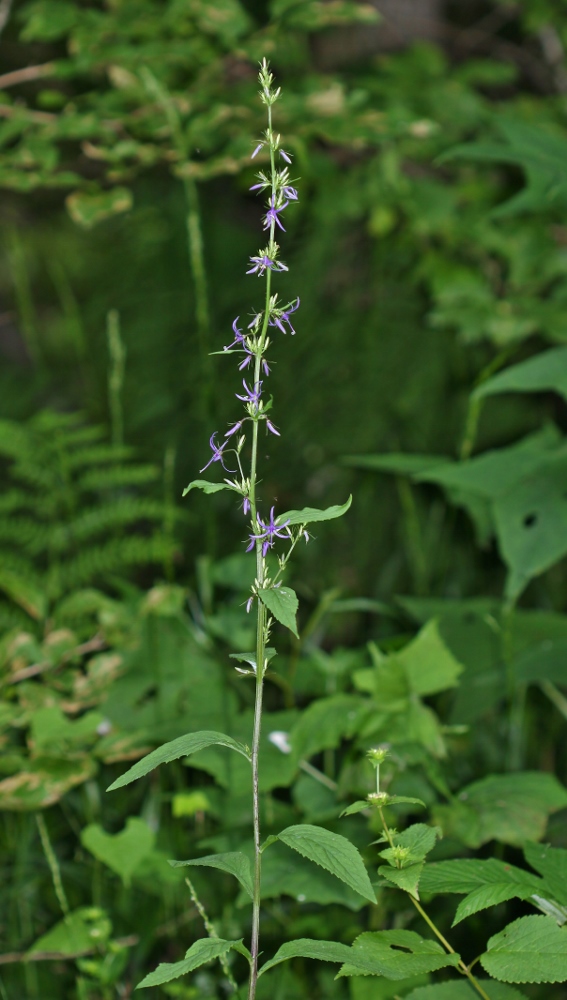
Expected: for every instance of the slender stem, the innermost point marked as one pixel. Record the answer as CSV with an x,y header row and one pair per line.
x,y
53,864
261,625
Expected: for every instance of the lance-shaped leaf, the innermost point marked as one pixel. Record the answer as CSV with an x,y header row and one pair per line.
x,y
356,807
199,953
379,953
547,372
330,851
282,603
234,862
206,487
311,514
183,746
489,895
324,951
529,950
463,991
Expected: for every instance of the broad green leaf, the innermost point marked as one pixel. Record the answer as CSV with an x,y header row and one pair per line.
x,y
183,746
282,603
122,852
379,953
529,950
546,372
377,988
463,991
430,667
287,873
89,208
198,954
465,875
489,895
324,951
512,808
79,933
551,863
406,878
206,487
419,838
234,862
330,851
325,723
311,514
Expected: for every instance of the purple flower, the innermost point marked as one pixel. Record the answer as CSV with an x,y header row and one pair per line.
x,y
272,215
257,150
217,454
285,156
271,428
246,505
261,264
289,192
283,317
270,532
265,367
238,335
252,395
234,429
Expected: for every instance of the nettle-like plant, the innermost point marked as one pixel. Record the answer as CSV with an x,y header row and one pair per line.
x,y
531,948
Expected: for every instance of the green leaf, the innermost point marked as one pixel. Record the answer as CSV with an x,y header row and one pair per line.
x,y
198,954
551,863
379,953
323,951
465,875
235,863
406,878
529,950
287,873
325,723
121,852
331,851
88,208
282,603
547,372
419,838
463,991
79,933
355,807
512,808
206,487
183,746
311,514
489,895
429,666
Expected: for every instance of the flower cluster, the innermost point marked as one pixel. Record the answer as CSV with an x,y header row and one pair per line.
x,y
252,343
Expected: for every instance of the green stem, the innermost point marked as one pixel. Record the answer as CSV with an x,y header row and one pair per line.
x,y
53,864
261,628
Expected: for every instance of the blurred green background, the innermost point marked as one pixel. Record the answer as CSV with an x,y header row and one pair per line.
x,y
429,251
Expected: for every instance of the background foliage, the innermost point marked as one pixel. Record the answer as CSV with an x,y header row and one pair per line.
x,y
428,376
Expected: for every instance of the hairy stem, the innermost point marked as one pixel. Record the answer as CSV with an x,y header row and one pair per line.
x,y
260,628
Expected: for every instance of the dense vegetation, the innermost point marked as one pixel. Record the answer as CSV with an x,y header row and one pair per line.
x,y
428,377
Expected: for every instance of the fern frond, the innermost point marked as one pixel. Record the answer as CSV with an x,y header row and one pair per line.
x,y
98,563
98,454
119,514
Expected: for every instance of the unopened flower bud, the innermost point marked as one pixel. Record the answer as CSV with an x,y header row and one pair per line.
x,y
377,755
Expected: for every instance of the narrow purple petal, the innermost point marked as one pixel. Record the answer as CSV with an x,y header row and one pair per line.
x,y
285,156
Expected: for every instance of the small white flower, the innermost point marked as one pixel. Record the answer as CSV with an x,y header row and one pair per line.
x,y
280,740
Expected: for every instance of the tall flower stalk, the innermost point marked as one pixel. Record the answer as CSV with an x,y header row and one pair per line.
x,y
254,343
